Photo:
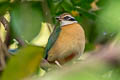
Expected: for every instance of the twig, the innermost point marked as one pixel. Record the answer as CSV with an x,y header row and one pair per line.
x,y
7,28
20,41
3,55
47,13
50,28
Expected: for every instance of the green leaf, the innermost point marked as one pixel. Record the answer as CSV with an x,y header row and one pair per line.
x,y
26,19
24,63
108,21
89,46
54,5
82,3
4,6
3,0
67,5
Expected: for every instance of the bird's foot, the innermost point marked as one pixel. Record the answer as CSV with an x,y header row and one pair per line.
x,y
58,64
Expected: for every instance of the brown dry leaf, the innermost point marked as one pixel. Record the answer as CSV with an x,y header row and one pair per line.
x,y
94,6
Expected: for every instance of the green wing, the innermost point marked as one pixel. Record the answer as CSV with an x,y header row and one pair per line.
x,y
53,37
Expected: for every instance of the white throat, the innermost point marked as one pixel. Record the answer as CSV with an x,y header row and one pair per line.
x,y
63,23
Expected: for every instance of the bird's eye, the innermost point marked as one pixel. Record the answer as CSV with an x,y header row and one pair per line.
x,y
66,18
69,18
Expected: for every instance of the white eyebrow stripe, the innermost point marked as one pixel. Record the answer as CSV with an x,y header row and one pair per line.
x,y
69,16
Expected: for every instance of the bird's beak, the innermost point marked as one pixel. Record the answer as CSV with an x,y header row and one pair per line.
x,y
58,18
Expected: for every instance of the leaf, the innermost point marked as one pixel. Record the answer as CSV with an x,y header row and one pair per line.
x,y
42,38
4,6
54,5
108,21
82,3
89,46
67,5
3,0
24,63
26,19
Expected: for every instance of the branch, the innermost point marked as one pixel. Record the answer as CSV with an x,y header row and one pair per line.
x,y
7,28
47,14
20,41
3,55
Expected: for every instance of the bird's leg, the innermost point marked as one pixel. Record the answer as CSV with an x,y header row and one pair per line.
x,y
58,64
45,65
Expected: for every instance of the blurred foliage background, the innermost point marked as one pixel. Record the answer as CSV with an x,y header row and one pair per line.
x,y
25,26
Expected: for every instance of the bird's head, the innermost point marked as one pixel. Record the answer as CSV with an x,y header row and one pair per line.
x,y
66,19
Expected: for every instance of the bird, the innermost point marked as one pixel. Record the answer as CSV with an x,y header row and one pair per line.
x,y
67,41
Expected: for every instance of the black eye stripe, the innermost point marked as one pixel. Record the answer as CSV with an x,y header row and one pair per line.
x,y
72,19
68,18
